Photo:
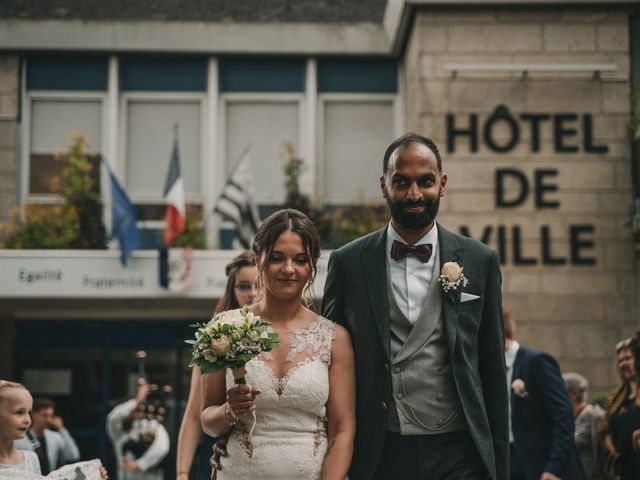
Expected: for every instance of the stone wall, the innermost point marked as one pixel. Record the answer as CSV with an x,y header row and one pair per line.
x,y
9,108
575,311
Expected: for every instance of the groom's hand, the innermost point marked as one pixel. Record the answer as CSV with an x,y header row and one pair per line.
x,y
241,399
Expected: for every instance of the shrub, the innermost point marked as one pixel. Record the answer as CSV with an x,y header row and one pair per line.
x,y
77,222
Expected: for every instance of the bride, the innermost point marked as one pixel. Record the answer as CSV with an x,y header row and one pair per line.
x,y
303,391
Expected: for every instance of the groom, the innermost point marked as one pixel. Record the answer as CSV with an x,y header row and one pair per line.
x,y
431,397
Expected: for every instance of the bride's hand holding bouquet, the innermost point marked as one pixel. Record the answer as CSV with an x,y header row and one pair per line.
x,y
230,340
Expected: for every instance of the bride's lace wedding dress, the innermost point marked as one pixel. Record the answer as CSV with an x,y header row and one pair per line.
x,y
289,440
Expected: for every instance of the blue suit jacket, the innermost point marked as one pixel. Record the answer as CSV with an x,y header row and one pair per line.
x,y
542,421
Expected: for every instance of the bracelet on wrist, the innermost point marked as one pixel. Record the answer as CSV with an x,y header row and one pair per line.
x,y
229,416
182,473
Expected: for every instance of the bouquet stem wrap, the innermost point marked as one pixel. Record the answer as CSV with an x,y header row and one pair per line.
x,y
238,379
238,375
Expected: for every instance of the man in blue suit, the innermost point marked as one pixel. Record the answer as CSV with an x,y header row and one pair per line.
x,y
542,424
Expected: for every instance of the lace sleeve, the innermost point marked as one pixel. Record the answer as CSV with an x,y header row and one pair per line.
x,y
326,333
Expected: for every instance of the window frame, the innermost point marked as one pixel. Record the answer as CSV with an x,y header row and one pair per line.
x,y
128,97
228,98
33,96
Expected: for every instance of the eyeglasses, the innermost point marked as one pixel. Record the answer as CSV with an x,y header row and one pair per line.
x,y
245,288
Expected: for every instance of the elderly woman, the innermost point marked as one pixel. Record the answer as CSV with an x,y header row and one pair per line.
x,y
588,418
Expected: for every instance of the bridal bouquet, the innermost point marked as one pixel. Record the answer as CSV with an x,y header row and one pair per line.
x,y
231,339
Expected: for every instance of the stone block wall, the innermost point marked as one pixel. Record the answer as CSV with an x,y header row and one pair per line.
x,y
575,311
9,111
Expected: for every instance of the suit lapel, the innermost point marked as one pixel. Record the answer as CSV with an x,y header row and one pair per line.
x,y
375,276
449,252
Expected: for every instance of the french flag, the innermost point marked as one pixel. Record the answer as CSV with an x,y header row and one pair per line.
x,y
174,196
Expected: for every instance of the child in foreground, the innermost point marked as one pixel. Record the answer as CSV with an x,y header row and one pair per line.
x,y
15,407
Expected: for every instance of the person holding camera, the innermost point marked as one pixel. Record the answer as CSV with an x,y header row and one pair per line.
x,y
48,438
140,441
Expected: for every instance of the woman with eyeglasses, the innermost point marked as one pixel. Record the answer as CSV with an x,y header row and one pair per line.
x,y
240,290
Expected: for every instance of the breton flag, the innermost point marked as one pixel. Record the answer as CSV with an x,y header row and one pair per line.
x,y
174,196
124,218
236,202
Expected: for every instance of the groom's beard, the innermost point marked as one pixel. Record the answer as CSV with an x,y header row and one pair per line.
x,y
413,221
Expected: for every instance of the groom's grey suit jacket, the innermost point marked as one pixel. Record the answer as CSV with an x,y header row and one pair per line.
x,y
356,296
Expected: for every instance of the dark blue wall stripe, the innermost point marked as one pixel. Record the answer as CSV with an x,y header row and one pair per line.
x,y
262,74
163,73
358,74
125,333
67,72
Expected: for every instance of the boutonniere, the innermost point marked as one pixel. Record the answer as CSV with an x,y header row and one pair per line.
x,y
452,279
519,388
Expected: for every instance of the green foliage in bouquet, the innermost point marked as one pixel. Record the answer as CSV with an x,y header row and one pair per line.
x,y
77,223
231,339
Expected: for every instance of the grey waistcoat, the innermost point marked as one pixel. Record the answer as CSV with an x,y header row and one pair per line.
x,y
424,391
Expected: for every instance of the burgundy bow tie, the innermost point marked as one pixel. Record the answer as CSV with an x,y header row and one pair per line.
x,y
400,250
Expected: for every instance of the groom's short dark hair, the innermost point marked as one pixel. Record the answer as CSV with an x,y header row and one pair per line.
x,y
406,140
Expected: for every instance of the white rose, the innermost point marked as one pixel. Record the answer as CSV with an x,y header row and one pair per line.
x,y
232,317
451,271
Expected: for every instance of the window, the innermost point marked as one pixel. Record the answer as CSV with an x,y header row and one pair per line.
x,y
52,122
163,98
264,127
65,95
261,110
357,120
151,128
356,134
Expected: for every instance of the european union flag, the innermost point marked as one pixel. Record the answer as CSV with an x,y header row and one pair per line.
x,y
123,219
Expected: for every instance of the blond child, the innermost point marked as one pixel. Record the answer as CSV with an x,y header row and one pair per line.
x,y
15,419
15,407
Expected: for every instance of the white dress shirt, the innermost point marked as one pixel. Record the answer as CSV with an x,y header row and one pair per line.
x,y
156,452
410,277
509,359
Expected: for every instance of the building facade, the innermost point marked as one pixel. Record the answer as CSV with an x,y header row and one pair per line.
x,y
533,105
